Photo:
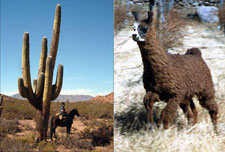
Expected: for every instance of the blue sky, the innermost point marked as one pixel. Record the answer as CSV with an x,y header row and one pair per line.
x,y
85,43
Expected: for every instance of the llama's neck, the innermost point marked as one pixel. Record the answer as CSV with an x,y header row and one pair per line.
x,y
155,59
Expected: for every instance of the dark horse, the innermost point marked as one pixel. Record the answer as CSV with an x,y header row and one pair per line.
x,y
55,122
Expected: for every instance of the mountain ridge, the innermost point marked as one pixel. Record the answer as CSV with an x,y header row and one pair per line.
x,y
63,98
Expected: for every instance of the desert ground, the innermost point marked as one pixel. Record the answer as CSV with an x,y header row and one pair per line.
x,y
92,131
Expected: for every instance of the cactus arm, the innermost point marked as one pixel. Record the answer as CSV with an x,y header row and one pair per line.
x,y
35,84
58,85
26,66
40,84
21,88
47,95
55,34
43,57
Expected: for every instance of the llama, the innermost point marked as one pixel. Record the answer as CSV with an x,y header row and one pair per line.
x,y
172,78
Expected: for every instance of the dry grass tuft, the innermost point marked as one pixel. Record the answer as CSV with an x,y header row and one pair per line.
x,y
222,17
119,16
8,126
102,136
12,145
170,32
75,143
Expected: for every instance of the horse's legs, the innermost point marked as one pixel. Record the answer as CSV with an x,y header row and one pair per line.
x,y
54,132
68,129
51,132
149,100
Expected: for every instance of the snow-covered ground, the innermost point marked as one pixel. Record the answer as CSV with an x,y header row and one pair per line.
x,y
132,133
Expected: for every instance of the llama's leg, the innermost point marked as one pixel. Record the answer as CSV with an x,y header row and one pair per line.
x,y
194,111
149,100
210,104
169,112
190,111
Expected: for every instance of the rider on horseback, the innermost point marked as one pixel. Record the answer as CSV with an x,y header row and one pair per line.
x,y
63,113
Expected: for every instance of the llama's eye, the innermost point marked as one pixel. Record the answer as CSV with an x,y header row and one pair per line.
x,y
144,29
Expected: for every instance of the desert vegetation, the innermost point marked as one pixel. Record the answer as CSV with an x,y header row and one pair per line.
x,y
222,18
92,131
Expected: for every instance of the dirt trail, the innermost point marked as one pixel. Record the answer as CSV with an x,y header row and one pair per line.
x,y
27,126
129,93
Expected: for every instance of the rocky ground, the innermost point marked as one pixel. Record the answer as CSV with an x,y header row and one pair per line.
x,y
132,133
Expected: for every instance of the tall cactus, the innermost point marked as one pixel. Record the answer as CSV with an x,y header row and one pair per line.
x,y
43,92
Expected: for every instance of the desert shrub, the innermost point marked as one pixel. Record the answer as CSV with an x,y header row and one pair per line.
x,y
119,16
21,109
75,143
102,136
26,139
222,17
86,133
91,109
17,109
106,115
8,144
171,31
8,126
44,146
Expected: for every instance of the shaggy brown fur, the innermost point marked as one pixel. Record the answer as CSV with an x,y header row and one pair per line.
x,y
175,79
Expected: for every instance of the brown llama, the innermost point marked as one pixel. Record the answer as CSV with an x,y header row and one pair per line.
x,y
172,78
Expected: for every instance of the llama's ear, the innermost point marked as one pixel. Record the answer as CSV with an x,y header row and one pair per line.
x,y
149,19
136,17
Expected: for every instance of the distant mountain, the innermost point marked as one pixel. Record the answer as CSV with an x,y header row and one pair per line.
x,y
64,98
107,99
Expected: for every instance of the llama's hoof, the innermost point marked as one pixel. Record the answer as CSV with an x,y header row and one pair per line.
x,y
159,125
165,126
192,121
150,126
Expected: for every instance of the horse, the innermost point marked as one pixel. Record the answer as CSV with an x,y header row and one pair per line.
x,y
55,122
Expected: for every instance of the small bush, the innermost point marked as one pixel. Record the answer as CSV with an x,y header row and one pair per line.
x,y
17,109
102,136
170,32
12,145
106,115
9,126
44,146
222,17
26,139
75,143
119,16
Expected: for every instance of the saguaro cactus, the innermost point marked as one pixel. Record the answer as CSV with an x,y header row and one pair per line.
x,y
1,103
43,92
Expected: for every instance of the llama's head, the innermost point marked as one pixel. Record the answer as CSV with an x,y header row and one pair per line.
x,y
140,27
